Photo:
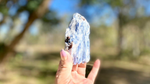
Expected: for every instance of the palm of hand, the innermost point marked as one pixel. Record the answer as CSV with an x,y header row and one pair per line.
x,y
75,74
78,77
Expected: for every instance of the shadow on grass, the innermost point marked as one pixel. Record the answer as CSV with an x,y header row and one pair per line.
x,y
101,56
31,71
47,56
36,71
115,75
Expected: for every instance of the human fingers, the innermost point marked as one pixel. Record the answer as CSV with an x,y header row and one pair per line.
x,y
65,65
75,67
81,69
92,75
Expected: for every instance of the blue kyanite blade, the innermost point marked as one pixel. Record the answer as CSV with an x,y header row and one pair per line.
x,y
77,40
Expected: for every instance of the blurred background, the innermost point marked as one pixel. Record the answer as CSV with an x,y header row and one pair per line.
x,y
32,35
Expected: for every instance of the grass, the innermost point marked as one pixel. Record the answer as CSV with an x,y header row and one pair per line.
x,y
41,69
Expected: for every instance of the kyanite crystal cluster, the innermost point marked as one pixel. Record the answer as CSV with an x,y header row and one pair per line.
x,y
77,40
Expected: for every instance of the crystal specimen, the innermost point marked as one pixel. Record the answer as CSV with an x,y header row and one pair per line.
x,y
77,40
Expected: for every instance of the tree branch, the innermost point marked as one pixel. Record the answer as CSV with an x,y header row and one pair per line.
x,y
41,10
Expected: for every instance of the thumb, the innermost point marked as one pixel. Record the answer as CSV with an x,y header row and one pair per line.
x,y
66,60
66,63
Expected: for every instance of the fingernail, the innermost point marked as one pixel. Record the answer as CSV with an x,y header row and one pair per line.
x,y
63,55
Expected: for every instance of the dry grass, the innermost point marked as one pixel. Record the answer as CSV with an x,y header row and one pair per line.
x,y
41,65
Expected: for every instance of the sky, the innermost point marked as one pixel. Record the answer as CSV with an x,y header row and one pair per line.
x,y
96,14
64,7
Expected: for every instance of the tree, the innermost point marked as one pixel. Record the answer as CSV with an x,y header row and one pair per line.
x,y
122,9
35,14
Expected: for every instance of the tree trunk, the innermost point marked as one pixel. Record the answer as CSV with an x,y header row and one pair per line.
x,y
41,10
3,21
120,35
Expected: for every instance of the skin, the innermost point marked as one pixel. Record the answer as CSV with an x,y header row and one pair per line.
x,y
68,73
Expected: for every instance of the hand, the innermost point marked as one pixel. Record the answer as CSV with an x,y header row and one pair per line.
x,y
68,73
